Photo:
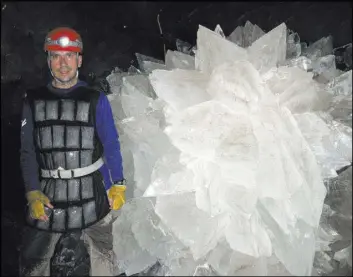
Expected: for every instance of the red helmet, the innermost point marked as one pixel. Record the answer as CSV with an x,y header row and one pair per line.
x,y
63,39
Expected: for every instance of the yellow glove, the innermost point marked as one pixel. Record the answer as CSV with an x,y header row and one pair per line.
x,y
116,196
36,201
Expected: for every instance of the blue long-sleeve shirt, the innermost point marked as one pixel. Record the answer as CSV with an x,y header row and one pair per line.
x,y
112,170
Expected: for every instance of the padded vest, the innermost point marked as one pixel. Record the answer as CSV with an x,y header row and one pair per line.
x,y
65,137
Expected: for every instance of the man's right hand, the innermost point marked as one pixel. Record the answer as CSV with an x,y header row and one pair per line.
x,y
36,201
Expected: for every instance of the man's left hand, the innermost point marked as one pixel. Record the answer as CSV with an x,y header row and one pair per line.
x,y
116,196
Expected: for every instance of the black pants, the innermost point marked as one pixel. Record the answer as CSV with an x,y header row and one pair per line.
x,y
68,254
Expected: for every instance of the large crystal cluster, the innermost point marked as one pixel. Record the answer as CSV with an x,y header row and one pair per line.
x,y
230,154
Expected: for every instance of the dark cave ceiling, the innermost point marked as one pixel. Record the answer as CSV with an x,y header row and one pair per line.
x,y
113,32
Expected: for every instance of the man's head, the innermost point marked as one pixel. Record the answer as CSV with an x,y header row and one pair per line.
x,y
64,47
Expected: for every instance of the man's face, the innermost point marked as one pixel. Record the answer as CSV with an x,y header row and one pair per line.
x,y
64,64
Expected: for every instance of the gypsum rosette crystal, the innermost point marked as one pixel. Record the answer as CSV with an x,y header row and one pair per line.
x,y
229,155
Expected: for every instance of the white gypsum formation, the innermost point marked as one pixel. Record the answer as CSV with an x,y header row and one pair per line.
x,y
227,154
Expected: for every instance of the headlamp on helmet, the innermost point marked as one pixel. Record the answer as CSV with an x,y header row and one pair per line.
x,y
64,41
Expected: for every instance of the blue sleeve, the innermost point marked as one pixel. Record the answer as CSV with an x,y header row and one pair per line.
x,y
109,138
28,158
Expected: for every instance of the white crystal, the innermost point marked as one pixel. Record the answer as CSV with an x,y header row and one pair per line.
x,y
237,36
293,45
115,81
131,259
150,234
326,235
177,212
348,55
170,177
151,66
301,62
145,151
135,93
325,68
133,70
322,264
340,201
148,64
320,48
185,47
252,32
341,86
245,235
318,135
236,82
269,50
341,105
180,88
234,153
296,89
344,255
184,266
341,136
295,249
219,31
192,131
213,50
245,36
204,270
175,59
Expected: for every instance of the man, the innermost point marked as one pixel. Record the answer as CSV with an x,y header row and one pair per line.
x,y
72,169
